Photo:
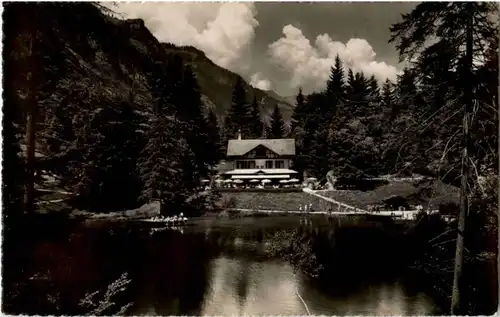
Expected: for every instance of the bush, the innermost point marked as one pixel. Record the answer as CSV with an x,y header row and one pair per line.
x,y
227,202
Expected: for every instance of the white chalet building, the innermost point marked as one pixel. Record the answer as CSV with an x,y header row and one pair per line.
x,y
271,159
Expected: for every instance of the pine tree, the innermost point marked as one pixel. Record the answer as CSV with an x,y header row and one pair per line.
x,y
351,85
374,89
214,137
298,115
335,85
388,99
238,118
256,124
106,150
13,172
189,112
276,125
452,27
160,166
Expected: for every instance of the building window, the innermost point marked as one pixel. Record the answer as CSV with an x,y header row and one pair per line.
x,y
260,152
271,154
269,164
245,164
279,164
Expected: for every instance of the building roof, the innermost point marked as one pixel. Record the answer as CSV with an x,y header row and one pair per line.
x,y
278,146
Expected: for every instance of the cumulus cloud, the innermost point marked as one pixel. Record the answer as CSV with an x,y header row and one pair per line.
x,y
309,64
222,30
257,81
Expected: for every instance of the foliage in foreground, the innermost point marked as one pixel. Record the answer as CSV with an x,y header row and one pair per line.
x,y
98,303
296,248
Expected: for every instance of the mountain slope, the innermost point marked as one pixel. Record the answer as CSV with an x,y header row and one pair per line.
x,y
217,83
85,57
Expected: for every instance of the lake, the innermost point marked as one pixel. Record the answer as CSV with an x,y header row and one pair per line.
x,y
208,268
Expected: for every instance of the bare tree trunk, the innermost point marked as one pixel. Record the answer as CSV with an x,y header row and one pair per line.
x,y
456,299
29,199
498,196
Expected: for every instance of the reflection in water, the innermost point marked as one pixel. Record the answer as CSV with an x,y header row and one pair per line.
x,y
204,272
271,289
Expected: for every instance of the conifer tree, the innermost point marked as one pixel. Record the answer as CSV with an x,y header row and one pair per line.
x,y
106,152
276,125
388,101
239,116
256,124
298,115
374,89
195,129
351,84
459,33
13,171
160,165
336,84
214,137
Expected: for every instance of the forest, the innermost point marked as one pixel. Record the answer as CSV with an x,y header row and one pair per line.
x,y
149,136
118,123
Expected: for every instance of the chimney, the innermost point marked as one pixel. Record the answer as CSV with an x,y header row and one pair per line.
x,y
239,134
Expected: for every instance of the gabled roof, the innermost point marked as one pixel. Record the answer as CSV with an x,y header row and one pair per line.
x,y
278,146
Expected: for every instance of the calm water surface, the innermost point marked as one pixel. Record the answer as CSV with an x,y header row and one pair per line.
x,y
205,270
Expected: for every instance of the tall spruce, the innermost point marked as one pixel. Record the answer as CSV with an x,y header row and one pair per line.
x,y
239,116
374,89
214,137
276,125
459,32
298,115
336,82
160,166
189,111
104,165
13,171
256,123
388,99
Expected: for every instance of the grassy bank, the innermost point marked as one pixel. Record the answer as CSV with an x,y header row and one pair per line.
x,y
429,194
269,200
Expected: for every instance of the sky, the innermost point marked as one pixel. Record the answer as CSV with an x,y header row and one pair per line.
x,y
280,46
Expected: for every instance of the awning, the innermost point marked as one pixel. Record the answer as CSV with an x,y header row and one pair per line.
x,y
263,171
259,176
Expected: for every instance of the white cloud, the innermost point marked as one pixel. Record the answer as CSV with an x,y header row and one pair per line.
x,y
309,65
222,30
257,81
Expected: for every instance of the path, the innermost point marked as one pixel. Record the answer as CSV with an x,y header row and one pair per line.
x,y
344,209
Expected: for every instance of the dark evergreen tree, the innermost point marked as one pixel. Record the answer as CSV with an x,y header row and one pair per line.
x,y
298,115
104,159
256,123
160,166
239,116
374,89
276,125
388,99
449,67
336,84
195,129
214,138
13,171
